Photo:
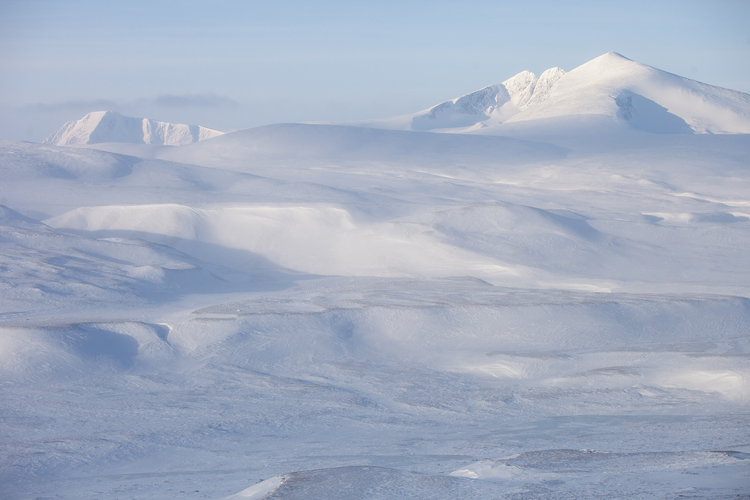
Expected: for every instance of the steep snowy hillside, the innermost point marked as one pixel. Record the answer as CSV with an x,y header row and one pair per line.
x,y
610,86
110,126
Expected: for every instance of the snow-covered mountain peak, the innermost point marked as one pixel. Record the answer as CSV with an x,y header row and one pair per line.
x,y
497,102
645,97
611,56
611,67
610,87
110,126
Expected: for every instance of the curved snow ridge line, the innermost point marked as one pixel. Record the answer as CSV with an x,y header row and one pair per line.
x,y
537,466
260,490
53,348
706,217
732,384
313,239
371,482
110,126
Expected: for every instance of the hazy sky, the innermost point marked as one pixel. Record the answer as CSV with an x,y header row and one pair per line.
x,y
235,64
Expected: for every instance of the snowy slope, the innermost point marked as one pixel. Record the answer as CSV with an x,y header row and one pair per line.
x,y
610,86
519,217
376,314
325,143
318,311
110,126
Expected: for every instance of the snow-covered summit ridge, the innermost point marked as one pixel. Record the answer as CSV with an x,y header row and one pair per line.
x,y
610,85
497,102
110,126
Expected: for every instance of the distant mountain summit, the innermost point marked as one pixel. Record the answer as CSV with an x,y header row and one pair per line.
x,y
110,126
611,85
497,103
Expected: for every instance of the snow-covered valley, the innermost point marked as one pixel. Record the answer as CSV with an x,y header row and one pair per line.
x,y
551,307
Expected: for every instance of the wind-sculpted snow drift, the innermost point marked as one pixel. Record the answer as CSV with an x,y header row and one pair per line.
x,y
328,311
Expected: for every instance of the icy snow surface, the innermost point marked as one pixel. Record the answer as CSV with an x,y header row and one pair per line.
x,y
332,312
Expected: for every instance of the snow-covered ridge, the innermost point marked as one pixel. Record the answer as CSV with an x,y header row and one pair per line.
x,y
110,126
501,102
611,86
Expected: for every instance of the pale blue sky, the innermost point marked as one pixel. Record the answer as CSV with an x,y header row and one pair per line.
x,y
236,64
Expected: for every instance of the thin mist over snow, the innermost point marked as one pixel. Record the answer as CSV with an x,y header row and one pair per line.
x,y
553,304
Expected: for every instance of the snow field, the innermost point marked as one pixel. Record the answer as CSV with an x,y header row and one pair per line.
x,y
328,311
313,377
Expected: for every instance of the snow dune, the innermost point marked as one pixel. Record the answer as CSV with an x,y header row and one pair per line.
x,y
316,239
